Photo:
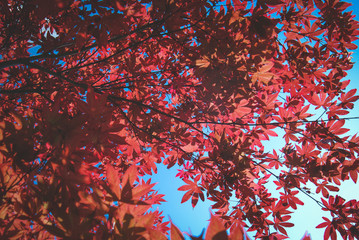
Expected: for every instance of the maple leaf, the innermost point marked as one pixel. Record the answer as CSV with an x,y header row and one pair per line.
x,y
216,230
176,234
237,233
95,95
193,191
114,181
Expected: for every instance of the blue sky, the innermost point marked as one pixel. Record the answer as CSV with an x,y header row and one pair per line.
x,y
306,217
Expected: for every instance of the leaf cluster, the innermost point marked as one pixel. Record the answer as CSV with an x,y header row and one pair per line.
x,y
95,94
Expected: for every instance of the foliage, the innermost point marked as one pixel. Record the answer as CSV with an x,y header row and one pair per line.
x,y
94,94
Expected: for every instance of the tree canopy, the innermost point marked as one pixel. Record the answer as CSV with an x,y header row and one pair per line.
x,y
94,94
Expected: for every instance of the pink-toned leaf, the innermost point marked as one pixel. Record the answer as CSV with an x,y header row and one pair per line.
x,y
176,233
130,175
216,230
113,180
